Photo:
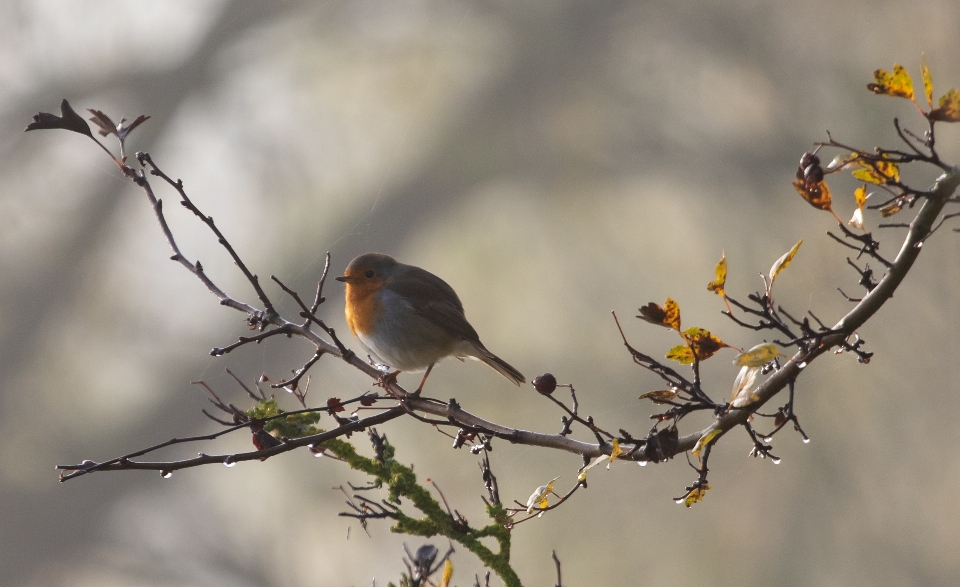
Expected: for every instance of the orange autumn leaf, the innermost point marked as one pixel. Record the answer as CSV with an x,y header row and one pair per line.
x,y
897,84
949,110
817,195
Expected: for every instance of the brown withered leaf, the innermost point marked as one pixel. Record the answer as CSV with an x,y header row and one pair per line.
x,y
660,396
334,405
108,127
704,343
263,440
949,109
890,209
68,120
897,84
780,418
105,124
667,316
699,341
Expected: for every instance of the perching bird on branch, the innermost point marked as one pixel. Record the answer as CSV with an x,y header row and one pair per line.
x,y
409,318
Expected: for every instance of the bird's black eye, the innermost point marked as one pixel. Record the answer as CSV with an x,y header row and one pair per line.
x,y
369,273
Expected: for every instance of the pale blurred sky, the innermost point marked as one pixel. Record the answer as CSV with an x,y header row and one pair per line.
x,y
553,161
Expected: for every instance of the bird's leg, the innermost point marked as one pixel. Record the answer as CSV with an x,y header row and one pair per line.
x,y
424,380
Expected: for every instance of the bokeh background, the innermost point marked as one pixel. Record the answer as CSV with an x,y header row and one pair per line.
x,y
553,161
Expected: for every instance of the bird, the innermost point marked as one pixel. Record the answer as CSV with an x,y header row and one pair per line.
x,y
408,318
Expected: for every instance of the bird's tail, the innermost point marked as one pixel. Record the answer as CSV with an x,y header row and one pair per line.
x,y
499,365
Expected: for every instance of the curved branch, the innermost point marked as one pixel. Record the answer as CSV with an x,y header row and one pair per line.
x,y
933,204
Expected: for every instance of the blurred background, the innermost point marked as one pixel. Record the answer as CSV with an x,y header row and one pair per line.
x,y
553,161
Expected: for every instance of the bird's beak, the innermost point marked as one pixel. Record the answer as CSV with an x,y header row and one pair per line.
x,y
344,279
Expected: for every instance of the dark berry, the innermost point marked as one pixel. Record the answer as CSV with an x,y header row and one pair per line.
x,y
545,383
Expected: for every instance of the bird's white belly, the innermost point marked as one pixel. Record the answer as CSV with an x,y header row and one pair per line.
x,y
405,340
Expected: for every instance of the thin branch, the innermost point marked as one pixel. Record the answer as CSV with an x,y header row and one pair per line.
x,y
146,161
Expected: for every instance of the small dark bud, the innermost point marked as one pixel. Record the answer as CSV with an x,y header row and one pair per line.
x,y
545,384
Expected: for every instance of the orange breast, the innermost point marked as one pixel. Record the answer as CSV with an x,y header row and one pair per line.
x,y
363,309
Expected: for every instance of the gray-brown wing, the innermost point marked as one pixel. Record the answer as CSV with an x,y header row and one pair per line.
x,y
435,300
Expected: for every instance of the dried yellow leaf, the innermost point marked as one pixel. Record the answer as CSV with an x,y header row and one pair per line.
x,y
447,574
782,263
877,172
717,284
614,453
696,495
744,386
672,318
897,84
705,441
758,356
927,80
861,197
539,497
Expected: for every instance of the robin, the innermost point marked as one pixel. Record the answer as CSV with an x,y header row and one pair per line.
x,y
409,318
